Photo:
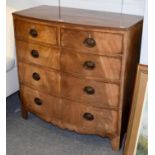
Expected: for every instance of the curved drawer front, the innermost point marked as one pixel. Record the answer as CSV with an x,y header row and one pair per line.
x,y
70,115
90,65
89,120
94,93
45,106
35,32
94,42
41,55
41,79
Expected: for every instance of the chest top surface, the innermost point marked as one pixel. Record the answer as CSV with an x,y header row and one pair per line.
x,y
81,17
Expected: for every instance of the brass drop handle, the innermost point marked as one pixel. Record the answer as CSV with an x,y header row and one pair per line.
x,y
89,90
89,65
33,33
36,76
38,101
89,42
35,53
88,116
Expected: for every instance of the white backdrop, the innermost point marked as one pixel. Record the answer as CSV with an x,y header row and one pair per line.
x,y
144,47
130,6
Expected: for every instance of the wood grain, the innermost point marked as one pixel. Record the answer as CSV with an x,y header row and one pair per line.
x,y
106,68
46,34
105,42
104,123
69,115
48,56
132,42
106,95
49,80
49,110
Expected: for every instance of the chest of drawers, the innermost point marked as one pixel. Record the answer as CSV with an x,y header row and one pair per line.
x,y
78,72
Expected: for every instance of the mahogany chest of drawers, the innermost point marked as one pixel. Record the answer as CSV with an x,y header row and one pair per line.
x,y
78,72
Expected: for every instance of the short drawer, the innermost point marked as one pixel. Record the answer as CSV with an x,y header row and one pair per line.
x,y
43,105
90,65
39,78
41,55
92,42
89,120
94,93
35,32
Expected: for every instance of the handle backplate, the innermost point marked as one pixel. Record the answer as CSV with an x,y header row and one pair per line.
x,y
33,33
36,76
88,116
89,90
35,53
90,42
89,65
38,101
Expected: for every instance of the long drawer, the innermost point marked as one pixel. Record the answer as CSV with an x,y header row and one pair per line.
x,y
90,65
70,115
42,79
91,41
33,32
38,54
94,93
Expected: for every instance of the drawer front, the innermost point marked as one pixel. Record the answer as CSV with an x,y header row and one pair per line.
x,y
35,32
46,106
90,65
94,42
94,93
41,55
41,79
89,120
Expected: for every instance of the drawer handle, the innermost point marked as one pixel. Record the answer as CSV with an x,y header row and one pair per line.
x,y
89,64
35,53
89,90
88,116
38,101
90,42
33,33
36,76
